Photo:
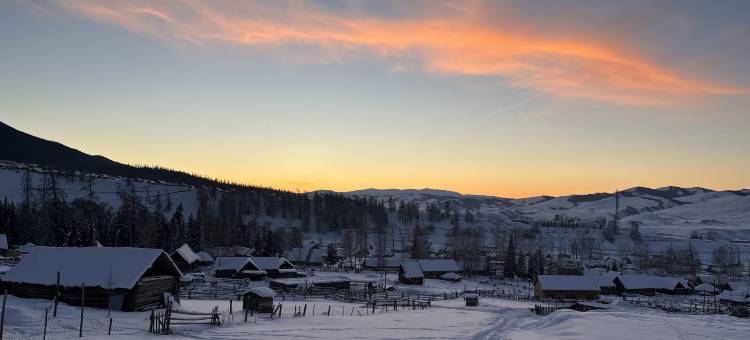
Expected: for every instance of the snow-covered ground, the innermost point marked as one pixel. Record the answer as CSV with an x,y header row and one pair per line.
x,y
492,319
445,319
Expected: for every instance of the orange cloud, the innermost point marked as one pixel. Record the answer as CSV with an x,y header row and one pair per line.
x,y
453,44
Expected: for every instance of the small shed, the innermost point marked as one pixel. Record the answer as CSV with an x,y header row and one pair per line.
x,y
433,268
410,273
566,287
127,278
185,257
237,267
258,299
472,300
453,277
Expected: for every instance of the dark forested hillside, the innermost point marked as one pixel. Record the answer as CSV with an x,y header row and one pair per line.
x,y
228,213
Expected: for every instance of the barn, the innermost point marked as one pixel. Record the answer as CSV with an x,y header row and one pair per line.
x,y
185,258
410,273
434,268
305,256
276,267
128,278
237,267
566,287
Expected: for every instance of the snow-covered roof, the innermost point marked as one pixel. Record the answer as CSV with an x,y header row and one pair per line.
x,y
235,263
642,281
568,283
187,254
705,287
205,257
412,269
271,263
262,291
438,265
3,241
89,265
738,285
450,276
607,279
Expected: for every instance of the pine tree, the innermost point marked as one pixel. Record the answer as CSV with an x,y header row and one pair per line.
x,y
510,269
332,255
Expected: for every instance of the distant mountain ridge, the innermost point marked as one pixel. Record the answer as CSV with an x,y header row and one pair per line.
x,y
21,147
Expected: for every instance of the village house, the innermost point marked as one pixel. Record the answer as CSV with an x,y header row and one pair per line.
x,y
410,273
185,258
276,267
238,267
650,284
434,268
128,279
566,287
388,263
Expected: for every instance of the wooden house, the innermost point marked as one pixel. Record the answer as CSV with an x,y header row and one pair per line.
x,y
566,287
387,263
276,267
185,258
410,273
238,267
650,284
258,299
127,278
434,268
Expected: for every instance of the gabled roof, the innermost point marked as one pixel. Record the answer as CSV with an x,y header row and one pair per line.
x,y
90,265
568,283
235,263
738,285
262,291
412,269
205,257
438,265
271,263
642,281
187,254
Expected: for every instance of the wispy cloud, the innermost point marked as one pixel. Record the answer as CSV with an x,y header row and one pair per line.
x,y
451,44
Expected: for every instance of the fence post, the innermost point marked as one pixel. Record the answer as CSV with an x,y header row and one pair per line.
x,y
246,311
2,314
230,307
44,335
57,294
109,330
83,303
304,312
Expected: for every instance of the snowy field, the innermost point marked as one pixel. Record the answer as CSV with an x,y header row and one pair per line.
x,y
492,319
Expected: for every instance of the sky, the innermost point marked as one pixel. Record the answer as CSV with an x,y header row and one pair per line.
x,y
504,98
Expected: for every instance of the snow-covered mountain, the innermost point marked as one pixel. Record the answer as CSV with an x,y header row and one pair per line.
x,y
666,206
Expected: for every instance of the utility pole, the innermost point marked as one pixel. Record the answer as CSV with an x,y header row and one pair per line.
x,y
617,210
